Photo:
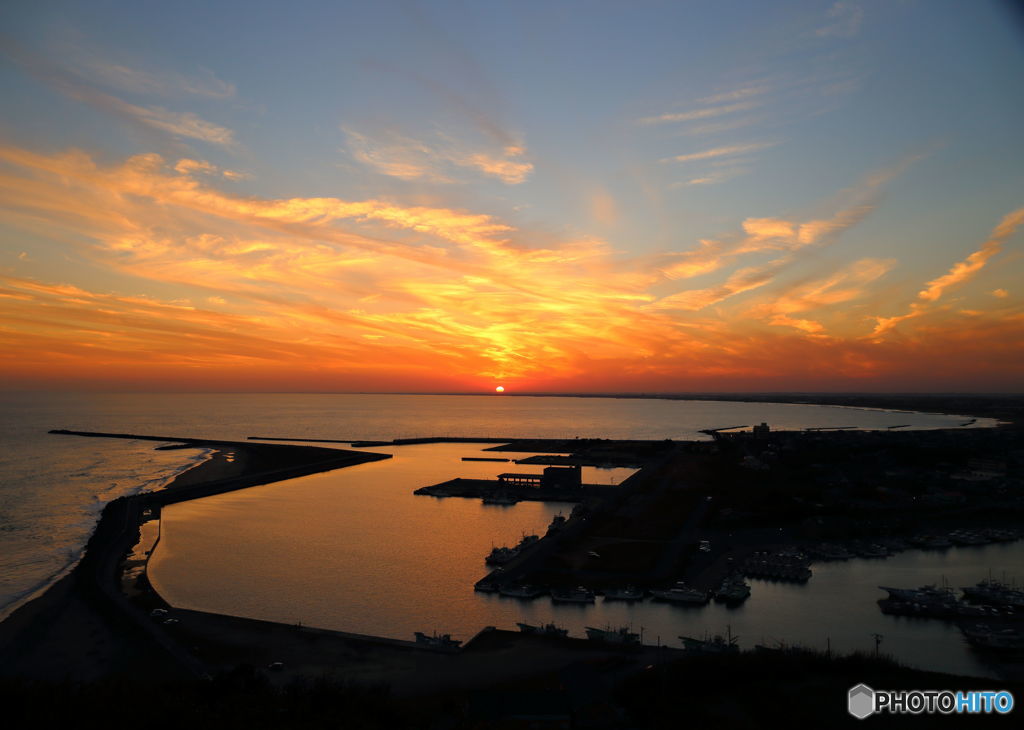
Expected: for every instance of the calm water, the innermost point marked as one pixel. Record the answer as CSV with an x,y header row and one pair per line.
x,y
354,549
371,557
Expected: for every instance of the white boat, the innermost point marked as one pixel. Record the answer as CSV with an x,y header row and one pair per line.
x,y
682,593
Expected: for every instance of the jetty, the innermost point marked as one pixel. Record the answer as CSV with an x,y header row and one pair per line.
x,y
485,488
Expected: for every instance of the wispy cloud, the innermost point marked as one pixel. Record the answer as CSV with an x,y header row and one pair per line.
x,y
844,20
695,114
407,158
959,273
966,269
760,235
163,84
739,282
743,92
717,105
505,168
187,166
720,175
716,152
127,72
840,287
401,157
178,124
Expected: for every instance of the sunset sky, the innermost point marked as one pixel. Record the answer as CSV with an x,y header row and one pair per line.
x,y
549,196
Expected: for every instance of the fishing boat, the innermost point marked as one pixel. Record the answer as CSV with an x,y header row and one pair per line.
x,y
717,644
444,641
621,635
545,630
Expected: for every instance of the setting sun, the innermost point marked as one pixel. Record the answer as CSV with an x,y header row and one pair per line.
x,y
500,389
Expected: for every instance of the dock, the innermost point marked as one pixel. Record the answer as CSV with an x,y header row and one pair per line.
x,y
480,488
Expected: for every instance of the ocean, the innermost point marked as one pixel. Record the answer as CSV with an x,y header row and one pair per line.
x,y
373,558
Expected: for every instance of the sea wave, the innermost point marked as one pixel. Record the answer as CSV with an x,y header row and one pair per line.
x,y
48,528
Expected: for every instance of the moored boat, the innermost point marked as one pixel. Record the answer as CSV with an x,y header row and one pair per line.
x,y
717,644
682,593
924,594
557,523
733,590
629,593
444,641
572,595
501,555
1009,641
621,635
499,498
994,592
545,630
523,590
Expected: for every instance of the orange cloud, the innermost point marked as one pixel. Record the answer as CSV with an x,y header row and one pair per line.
x,y
822,295
964,270
715,152
705,113
739,282
392,154
321,292
762,234
959,273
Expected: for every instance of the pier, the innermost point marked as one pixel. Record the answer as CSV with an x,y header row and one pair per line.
x,y
532,491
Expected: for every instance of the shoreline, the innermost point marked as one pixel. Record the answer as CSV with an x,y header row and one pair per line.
x,y
41,587
75,628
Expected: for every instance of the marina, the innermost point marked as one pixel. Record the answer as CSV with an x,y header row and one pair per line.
x,y
814,613
389,513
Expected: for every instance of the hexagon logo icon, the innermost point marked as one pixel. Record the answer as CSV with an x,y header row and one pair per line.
x,y
861,701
